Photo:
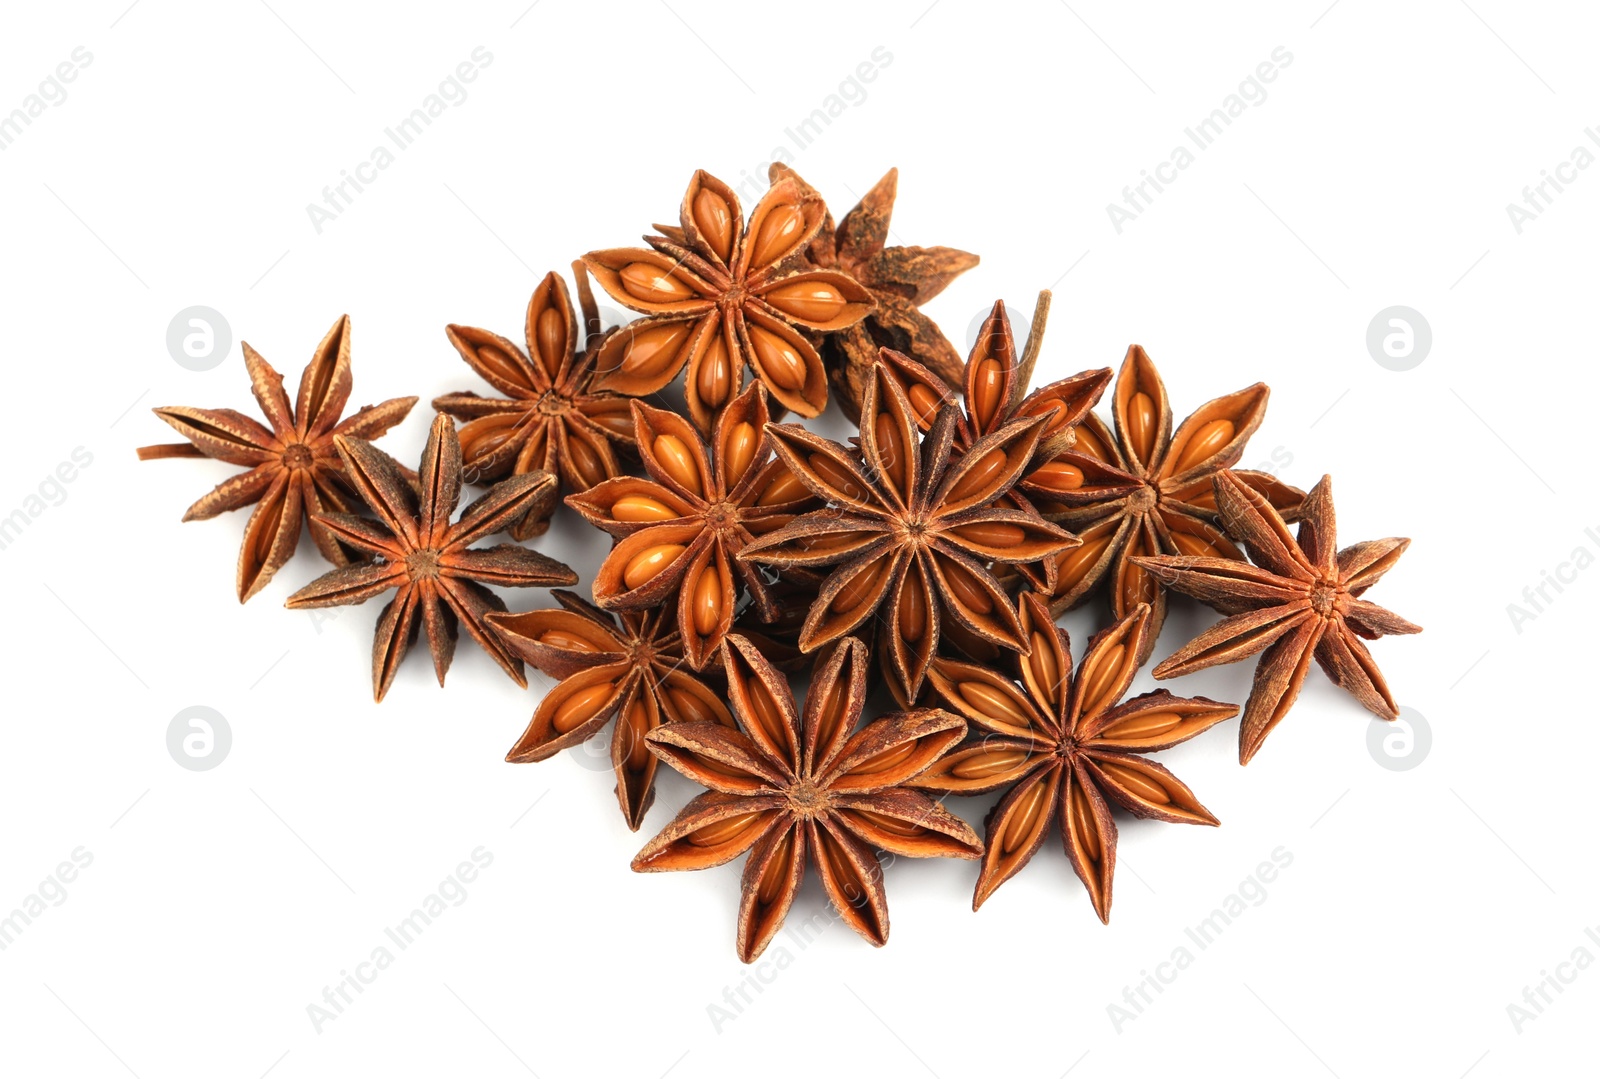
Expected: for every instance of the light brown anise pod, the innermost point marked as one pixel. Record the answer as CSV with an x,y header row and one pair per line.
x,y
910,530
1301,600
551,417
793,787
1063,747
679,533
720,296
901,280
295,473
1142,489
437,577
629,666
994,391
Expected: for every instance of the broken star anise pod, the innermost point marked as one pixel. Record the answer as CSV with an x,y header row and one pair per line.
x,y
629,665
295,474
900,279
910,530
680,532
1301,599
994,391
1145,490
1063,747
551,418
720,296
438,579
793,788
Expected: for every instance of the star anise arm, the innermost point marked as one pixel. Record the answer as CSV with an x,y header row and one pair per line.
x,y
1372,621
1237,637
392,637
1351,667
235,492
363,533
892,751
270,536
1280,673
377,479
496,508
712,830
372,421
266,385
509,565
1251,519
907,823
1361,565
1145,789
852,878
347,585
1154,721
850,595
771,880
1016,828
1089,836
1223,583
439,626
316,504
717,757
471,603
1214,435
220,433
587,698
440,476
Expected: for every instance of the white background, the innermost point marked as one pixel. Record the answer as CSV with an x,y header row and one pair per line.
x,y
1420,903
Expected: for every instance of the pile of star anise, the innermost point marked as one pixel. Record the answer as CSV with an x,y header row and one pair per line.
x,y
929,556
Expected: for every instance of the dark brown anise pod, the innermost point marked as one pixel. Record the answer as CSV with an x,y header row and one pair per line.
x,y
994,391
439,580
551,418
629,666
910,530
900,279
793,788
1145,490
680,532
720,296
295,473
1063,746
1300,600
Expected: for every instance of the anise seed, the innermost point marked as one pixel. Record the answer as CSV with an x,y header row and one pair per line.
x,y
673,454
644,566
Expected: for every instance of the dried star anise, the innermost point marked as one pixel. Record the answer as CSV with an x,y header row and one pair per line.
x,y
550,418
1146,490
792,788
1300,600
720,296
1063,746
426,559
294,472
901,280
679,534
995,392
633,671
912,533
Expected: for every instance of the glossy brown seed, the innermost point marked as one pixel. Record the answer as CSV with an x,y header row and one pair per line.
x,y
892,825
556,638
652,284
890,451
835,476
585,462
809,301
1139,728
707,602
986,396
1053,407
1197,546
581,707
1098,681
726,831
636,724
1075,562
691,708
913,611
830,715
638,509
1083,825
764,711
739,446
714,219
994,703
1042,661
991,534
924,402
1142,424
650,352
1057,476
484,436
496,360
779,230
674,456
617,421
550,334
967,590
715,379
644,566
1025,813
860,588
990,763
777,359
985,472
785,487
776,875
1138,783
1204,442
888,759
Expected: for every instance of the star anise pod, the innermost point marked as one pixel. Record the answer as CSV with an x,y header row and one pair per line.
x,y
295,474
720,295
901,280
1063,746
1145,490
1301,599
995,391
437,578
793,788
679,533
909,529
551,418
629,665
